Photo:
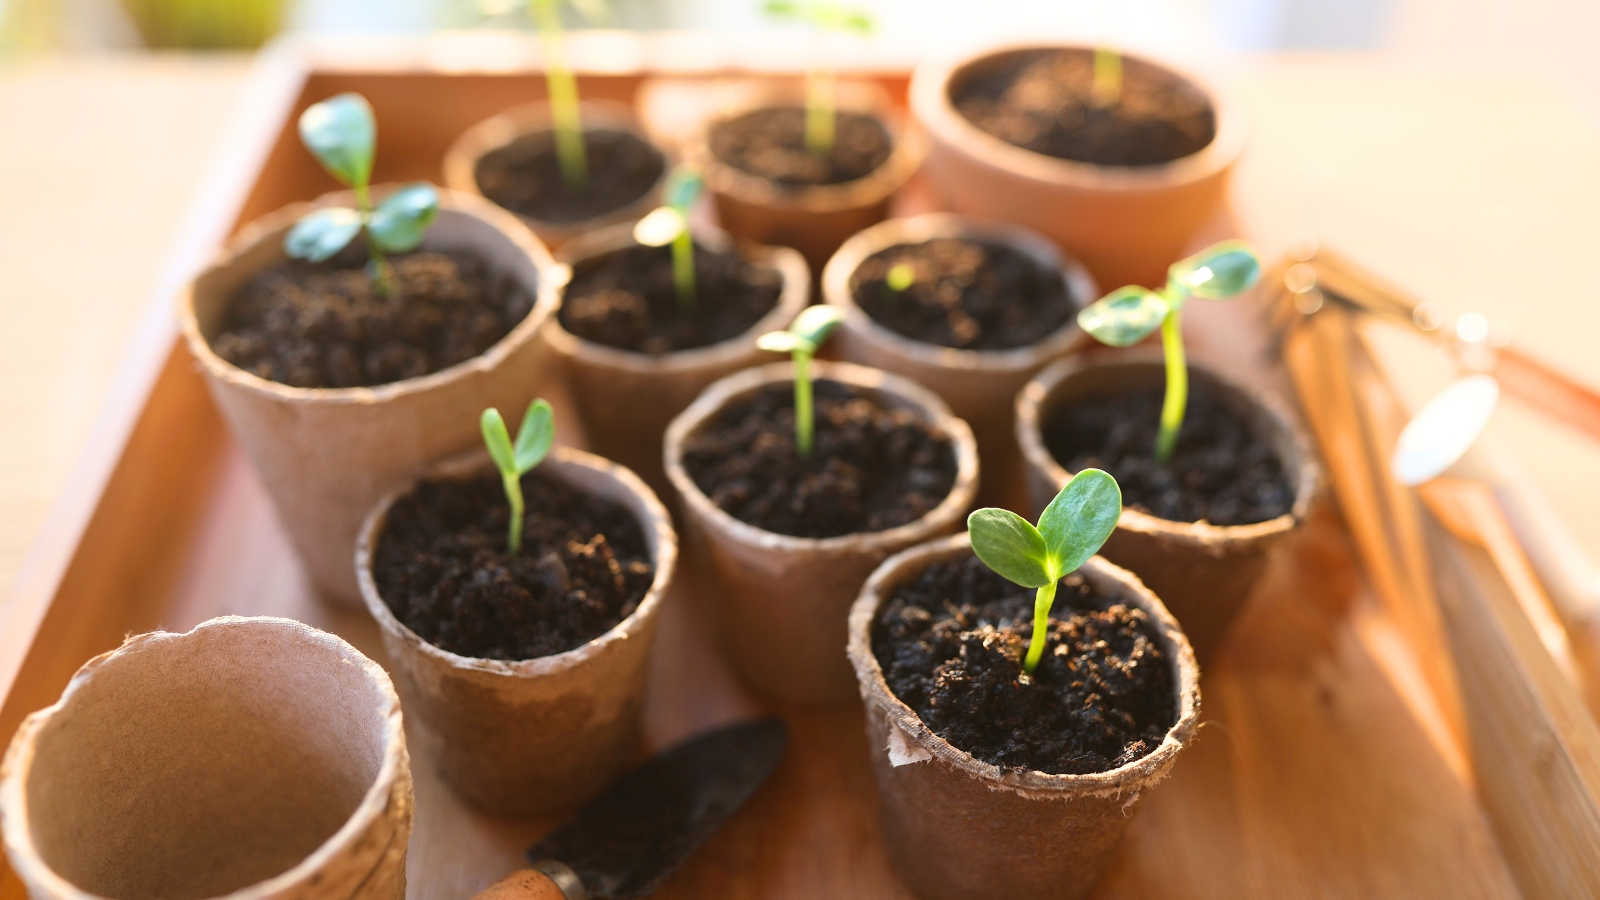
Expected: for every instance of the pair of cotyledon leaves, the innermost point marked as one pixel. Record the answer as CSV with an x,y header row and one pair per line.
x,y
1128,315
342,134
806,333
1072,528
668,222
534,437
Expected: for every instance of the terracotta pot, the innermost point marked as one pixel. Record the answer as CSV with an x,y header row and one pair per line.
x,y
979,385
781,601
461,161
1203,572
816,219
537,735
625,399
957,828
1126,223
252,758
328,454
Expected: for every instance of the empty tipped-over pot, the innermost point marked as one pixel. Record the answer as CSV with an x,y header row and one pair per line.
x,y
1202,572
251,758
625,398
500,131
535,735
979,385
327,454
958,828
781,601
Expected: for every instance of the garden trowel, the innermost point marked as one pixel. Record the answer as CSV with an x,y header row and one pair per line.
x,y
629,839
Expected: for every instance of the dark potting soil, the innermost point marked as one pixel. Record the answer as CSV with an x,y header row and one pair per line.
x,y
951,643
525,175
771,143
443,568
324,325
1222,472
627,299
871,468
970,295
1041,101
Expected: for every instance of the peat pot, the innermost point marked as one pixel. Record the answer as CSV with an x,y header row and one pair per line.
x,y
957,828
1203,572
979,385
327,454
1126,223
499,131
626,399
537,735
781,601
251,758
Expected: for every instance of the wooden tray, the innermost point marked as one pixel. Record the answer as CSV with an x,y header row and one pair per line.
x,y
1325,767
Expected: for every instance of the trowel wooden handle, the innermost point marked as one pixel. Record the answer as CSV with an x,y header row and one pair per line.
x,y
543,883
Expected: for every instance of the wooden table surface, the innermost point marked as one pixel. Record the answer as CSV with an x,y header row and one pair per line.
x,y
1469,189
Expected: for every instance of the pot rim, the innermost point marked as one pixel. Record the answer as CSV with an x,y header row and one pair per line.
x,y
1031,783
889,233
851,96
931,105
1036,394
794,296
654,520
393,769
501,129
272,227
930,407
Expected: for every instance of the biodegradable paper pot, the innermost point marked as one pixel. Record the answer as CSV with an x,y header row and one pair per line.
x,y
538,735
328,454
1126,223
461,161
815,219
1203,572
625,399
251,758
960,829
781,601
979,385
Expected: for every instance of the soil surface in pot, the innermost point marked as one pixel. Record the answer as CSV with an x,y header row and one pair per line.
x,y
627,299
1222,471
871,467
951,642
525,177
970,295
1041,101
442,567
324,325
771,143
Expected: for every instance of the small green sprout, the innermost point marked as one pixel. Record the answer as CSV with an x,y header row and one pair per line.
x,y
1072,528
825,16
1106,89
342,134
538,431
900,277
1129,314
801,341
669,224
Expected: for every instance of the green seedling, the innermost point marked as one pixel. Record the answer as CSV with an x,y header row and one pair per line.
x,y
801,341
534,438
669,224
1106,88
900,277
1130,314
342,134
824,17
1072,528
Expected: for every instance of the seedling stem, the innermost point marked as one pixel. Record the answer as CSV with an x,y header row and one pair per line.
x,y
1107,87
565,115
670,224
825,17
